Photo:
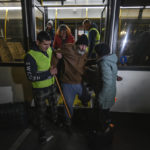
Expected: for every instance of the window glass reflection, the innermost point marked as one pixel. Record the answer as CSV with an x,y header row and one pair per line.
x,y
11,34
134,37
39,20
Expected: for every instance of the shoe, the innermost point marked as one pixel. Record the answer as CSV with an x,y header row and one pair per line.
x,y
109,129
67,126
46,138
67,122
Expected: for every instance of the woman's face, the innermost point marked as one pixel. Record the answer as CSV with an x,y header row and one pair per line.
x,y
63,34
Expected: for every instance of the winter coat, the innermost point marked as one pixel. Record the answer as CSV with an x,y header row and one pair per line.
x,y
108,66
58,41
73,64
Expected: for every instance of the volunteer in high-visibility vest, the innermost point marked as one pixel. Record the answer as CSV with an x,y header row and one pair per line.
x,y
93,36
40,72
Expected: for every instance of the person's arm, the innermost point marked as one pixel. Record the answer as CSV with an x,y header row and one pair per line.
x,y
56,56
92,37
31,70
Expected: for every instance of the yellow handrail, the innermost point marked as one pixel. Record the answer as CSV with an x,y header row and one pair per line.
x,y
56,20
6,23
42,2
120,22
86,12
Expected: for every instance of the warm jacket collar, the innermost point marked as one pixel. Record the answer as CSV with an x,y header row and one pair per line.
x,y
111,57
101,58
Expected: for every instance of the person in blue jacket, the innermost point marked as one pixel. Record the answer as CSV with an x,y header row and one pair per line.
x,y
40,72
107,64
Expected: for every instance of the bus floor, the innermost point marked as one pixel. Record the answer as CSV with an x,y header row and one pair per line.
x,y
131,133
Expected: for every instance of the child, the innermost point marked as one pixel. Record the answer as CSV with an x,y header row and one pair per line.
x,y
107,64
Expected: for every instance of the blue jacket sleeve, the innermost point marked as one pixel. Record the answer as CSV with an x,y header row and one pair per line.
x,y
92,38
31,70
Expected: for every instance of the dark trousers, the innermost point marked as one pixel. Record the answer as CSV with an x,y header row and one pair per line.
x,y
40,97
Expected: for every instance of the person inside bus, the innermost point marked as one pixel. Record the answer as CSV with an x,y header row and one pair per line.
x,y
50,30
63,36
141,50
107,64
74,57
93,36
40,72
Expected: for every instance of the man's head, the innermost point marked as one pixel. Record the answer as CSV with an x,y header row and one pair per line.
x,y
82,44
86,24
49,24
102,49
43,40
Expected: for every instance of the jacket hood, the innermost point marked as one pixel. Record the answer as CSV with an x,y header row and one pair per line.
x,y
112,58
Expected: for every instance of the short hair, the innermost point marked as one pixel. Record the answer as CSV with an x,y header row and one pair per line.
x,y
102,49
43,35
86,21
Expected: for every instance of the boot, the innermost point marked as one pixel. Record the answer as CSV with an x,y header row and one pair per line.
x,y
67,126
86,95
106,124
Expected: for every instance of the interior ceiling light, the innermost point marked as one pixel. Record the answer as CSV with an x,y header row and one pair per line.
x,y
75,7
54,0
49,2
10,8
136,7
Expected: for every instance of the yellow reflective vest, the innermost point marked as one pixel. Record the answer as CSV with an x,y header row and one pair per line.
x,y
43,64
97,39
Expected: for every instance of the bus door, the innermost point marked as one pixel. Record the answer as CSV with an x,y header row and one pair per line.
x,y
133,50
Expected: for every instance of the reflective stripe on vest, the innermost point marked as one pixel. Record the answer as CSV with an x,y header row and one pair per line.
x,y
43,64
97,39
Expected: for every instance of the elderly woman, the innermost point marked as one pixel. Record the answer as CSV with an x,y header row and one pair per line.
x,y
63,36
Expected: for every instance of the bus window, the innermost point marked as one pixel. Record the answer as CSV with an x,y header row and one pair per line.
x,y
39,20
134,37
11,33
